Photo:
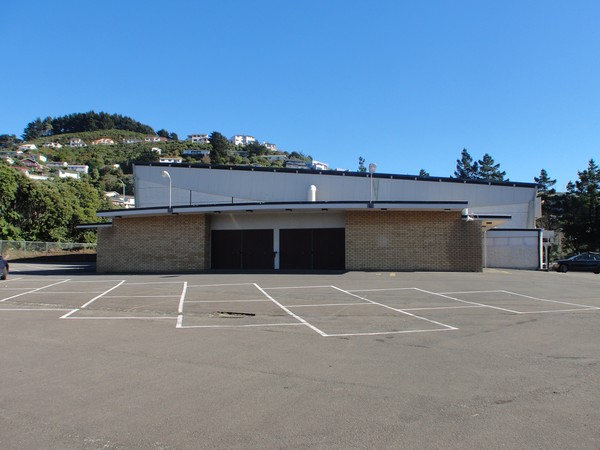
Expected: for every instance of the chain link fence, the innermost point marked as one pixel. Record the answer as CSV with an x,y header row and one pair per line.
x,y
14,250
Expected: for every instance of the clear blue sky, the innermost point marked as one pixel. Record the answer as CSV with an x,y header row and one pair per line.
x,y
405,84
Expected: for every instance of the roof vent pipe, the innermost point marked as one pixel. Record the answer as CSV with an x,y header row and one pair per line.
x,y
312,193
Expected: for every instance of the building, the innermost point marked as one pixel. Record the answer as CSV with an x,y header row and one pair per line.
x,y
103,141
196,153
170,159
80,168
198,138
76,142
52,145
240,139
247,218
155,139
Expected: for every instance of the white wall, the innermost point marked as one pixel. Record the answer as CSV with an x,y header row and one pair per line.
x,y
203,185
517,249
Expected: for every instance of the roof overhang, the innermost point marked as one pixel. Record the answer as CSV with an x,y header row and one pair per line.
x,y
488,221
93,226
276,207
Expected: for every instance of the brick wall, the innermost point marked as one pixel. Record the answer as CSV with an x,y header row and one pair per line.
x,y
173,243
412,240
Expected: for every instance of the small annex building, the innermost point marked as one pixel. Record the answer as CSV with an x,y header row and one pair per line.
x,y
201,217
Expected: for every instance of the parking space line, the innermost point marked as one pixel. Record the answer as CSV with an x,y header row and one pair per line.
x,y
295,287
179,323
246,326
228,301
327,304
470,303
591,308
34,290
379,333
295,316
396,309
66,316
551,301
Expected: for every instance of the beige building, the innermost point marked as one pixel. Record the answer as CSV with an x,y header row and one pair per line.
x,y
200,217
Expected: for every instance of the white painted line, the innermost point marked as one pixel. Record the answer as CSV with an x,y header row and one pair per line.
x,y
35,290
101,295
180,309
469,303
296,287
141,296
120,318
396,309
69,313
329,304
155,282
246,326
295,316
222,284
34,309
390,332
386,289
551,301
472,292
445,307
227,301
560,310
68,292
9,280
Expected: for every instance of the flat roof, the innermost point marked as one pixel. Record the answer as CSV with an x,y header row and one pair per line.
x,y
250,207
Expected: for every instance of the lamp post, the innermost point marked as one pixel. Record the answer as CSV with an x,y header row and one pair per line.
x,y
372,169
166,174
123,183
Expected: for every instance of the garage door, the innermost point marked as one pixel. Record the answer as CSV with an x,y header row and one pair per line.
x,y
242,249
312,249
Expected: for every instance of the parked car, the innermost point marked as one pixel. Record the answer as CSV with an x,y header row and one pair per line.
x,y
589,262
4,266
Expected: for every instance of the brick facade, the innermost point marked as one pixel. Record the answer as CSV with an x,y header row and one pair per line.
x,y
412,240
173,243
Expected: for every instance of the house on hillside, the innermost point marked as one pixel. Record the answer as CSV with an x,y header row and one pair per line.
x,y
171,160
76,142
103,141
198,138
27,147
241,139
132,141
155,139
52,145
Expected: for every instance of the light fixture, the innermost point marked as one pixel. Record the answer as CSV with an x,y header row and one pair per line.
x,y
166,174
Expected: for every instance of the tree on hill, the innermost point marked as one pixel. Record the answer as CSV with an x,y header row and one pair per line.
x,y
423,173
489,171
82,122
465,167
220,152
361,164
8,140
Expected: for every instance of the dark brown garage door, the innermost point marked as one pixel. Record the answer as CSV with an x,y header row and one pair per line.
x,y
242,249
312,249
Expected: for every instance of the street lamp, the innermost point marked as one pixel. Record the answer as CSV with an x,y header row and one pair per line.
x,y
372,169
123,183
166,174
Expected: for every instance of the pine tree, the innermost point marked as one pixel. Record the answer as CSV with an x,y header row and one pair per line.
x,y
465,167
489,171
581,216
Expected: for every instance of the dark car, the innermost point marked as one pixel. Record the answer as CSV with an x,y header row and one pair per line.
x,y
3,268
589,262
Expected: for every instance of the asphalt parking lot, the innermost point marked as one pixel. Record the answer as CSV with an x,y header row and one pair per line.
x,y
499,359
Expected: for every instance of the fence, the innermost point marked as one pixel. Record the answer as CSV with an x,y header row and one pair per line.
x,y
30,249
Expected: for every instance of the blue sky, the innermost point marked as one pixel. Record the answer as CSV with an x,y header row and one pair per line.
x,y
406,85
